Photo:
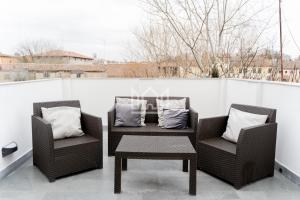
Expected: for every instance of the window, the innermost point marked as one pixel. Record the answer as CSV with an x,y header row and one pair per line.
x,y
7,77
46,74
270,70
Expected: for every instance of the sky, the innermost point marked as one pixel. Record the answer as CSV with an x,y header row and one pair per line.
x,y
291,27
104,27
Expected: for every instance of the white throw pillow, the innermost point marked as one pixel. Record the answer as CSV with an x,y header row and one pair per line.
x,y
168,104
65,121
239,120
136,101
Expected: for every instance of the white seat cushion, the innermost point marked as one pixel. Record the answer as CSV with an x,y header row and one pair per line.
x,y
65,121
239,120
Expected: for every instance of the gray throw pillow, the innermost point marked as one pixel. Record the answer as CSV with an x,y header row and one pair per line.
x,y
175,118
128,115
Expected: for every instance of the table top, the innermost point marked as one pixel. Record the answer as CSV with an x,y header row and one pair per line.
x,y
156,144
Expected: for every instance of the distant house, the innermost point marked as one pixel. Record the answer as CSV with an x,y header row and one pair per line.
x,y
62,57
13,72
7,59
141,70
291,71
131,70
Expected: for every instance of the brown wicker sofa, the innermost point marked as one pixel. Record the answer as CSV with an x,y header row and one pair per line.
x,y
57,158
115,133
251,159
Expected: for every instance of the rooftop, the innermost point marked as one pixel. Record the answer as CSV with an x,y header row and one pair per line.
x,y
61,53
54,67
145,179
5,55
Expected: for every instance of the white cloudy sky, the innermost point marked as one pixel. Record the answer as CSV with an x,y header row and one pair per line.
x,y
104,27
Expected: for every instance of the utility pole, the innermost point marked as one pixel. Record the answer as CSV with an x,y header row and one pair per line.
x,y
281,43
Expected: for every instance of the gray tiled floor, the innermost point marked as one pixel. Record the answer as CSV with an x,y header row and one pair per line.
x,y
145,179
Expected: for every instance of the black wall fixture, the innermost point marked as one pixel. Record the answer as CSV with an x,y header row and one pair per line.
x,y
9,149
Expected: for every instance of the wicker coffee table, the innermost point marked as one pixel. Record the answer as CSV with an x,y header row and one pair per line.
x,y
157,148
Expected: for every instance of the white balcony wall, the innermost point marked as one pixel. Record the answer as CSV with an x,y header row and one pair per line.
x,y
209,97
286,99
15,113
97,95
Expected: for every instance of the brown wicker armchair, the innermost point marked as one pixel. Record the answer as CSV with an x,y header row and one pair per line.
x,y
57,158
251,159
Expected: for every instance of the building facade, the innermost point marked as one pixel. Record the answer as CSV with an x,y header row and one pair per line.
x,y
61,57
7,59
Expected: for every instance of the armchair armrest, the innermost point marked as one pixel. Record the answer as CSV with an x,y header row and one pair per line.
x,y
42,138
111,118
193,118
91,125
257,140
211,127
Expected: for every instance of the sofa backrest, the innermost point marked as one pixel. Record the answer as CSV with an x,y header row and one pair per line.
x,y
257,110
37,111
151,115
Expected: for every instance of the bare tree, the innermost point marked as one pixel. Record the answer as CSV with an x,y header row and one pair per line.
x,y
211,30
158,45
27,50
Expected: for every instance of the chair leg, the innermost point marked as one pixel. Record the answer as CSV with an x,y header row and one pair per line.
x,y
100,166
198,165
124,164
109,147
51,179
185,165
237,186
33,161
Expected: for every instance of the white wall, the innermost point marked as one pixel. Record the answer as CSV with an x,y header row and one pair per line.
x,y
97,96
209,97
16,109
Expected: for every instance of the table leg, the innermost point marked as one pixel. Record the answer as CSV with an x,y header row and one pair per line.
x,y
118,171
193,176
124,164
185,165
